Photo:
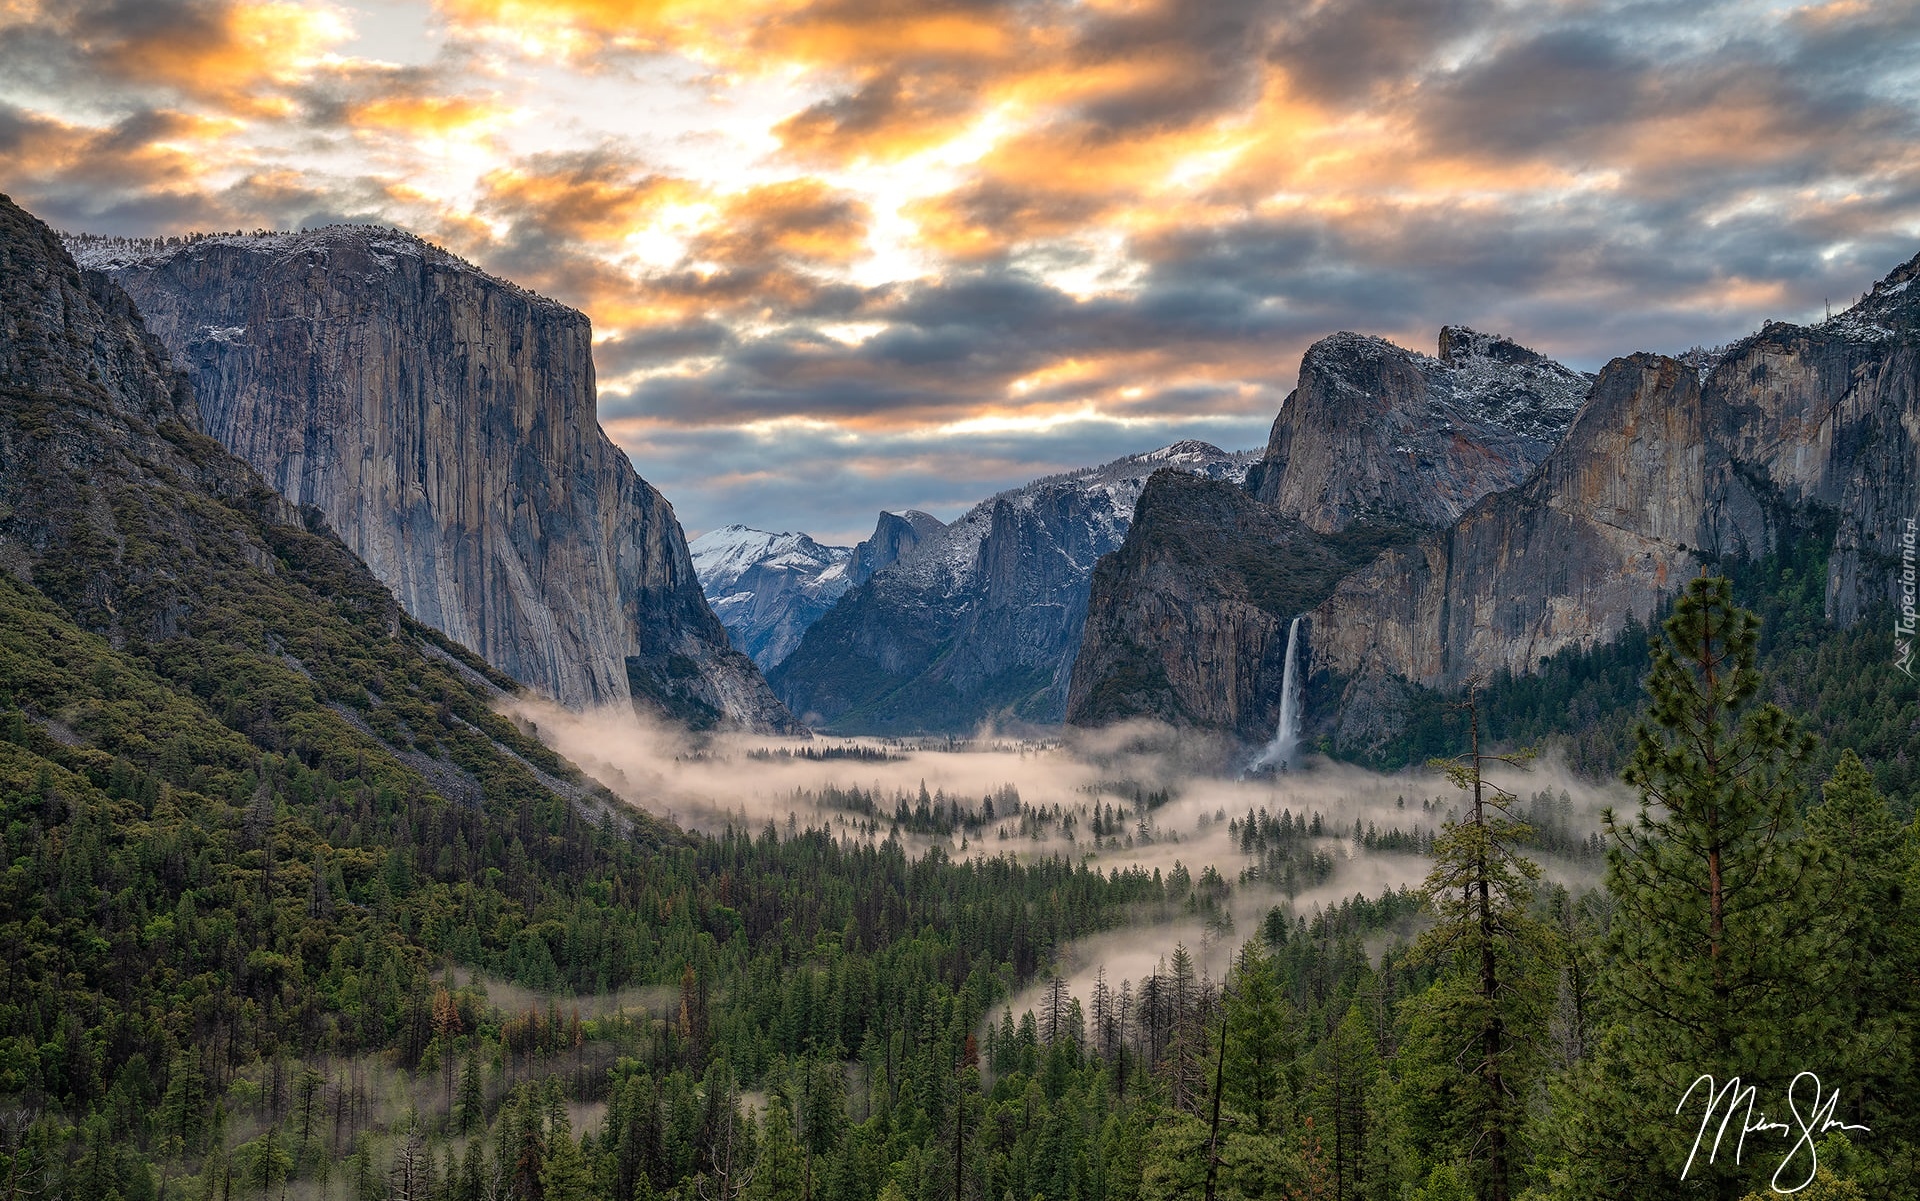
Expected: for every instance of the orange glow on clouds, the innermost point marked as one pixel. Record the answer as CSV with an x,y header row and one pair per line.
x,y
933,215
236,58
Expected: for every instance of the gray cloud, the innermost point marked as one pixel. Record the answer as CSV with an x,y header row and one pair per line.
x,y
832,487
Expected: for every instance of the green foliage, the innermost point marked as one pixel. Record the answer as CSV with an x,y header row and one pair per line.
x,y
1713,946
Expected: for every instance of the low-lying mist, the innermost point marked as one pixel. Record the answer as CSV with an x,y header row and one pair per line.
x,y
1139,795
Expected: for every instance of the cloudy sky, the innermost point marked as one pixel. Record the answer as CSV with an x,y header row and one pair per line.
x,y
844,255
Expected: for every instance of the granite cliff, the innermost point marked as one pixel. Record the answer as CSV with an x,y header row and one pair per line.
x,y
1377,433
443,423
161,606
1668,469
1375,444
982,619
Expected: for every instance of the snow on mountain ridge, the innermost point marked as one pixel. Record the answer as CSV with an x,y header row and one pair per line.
x,y
949,560
722,556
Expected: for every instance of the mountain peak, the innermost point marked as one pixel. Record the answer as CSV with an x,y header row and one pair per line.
x,y
1459,343
1889,310
1374,431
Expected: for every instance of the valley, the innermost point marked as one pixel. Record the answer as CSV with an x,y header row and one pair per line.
x,y
396,802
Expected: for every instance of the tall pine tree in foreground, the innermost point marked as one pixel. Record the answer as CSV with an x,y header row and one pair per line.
x,y
1712,953
1474,1034
1871,947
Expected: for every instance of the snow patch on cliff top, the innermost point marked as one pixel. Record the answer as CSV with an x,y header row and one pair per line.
x,y
385,245
1889,310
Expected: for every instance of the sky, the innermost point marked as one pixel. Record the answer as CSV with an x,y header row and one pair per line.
x,y
847,255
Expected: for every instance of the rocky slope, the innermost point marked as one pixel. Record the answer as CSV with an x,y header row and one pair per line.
x,y
443,422
160,603
1376,443
768,589
1667,469
1187,621
1374,432
982,620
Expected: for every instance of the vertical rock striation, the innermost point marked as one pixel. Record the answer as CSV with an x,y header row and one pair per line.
x,y
1665,471
1187,623
444,423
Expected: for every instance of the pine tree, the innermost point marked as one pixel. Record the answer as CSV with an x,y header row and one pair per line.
x,y
471,1110
1870,942
564,1176
1713,937
1491,952
1260,1041
1344,1068
1185,1064
528,1179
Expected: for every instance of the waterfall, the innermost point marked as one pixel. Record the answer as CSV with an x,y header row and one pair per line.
x,y
1286,737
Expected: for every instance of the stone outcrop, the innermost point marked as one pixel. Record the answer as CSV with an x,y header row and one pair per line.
x,y
443,422
1810,427
1374,445
980,621
1376,433
894,534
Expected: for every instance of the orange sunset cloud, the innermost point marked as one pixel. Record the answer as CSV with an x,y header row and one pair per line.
x,y
1083,227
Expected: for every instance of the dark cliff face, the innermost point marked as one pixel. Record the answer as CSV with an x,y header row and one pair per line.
x,y
982,620
443,422
1662,474
1375,433
894,534
1187,622
1377,443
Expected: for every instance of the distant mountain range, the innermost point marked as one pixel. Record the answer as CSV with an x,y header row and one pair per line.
x,y
978,620
768,588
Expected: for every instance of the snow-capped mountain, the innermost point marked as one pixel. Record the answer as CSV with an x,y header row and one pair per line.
x,y
768,588
983,618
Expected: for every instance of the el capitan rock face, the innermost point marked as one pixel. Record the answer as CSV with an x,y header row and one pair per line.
x,y
444,423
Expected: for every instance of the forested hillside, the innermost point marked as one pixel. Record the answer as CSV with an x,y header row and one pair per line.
x,y
288,910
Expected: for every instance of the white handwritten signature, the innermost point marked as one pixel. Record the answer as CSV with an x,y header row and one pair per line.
x,y
1727,1101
